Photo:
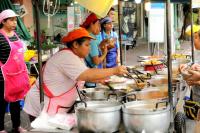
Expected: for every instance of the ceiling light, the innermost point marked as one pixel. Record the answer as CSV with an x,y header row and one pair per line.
x,y
147,6
138,1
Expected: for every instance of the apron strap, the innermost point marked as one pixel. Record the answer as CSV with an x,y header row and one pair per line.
x,y
6,37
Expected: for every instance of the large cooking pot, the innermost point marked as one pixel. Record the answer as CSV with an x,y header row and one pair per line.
x,y
162,80
98,116
150,93
146,116
159,80
154,93
97,94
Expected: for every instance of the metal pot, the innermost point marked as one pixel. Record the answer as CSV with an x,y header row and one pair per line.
x,y
159,80
95,93
98,116
162,80
146,116
151,93
103,94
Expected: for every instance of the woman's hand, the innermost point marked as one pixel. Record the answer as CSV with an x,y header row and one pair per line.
x,y
120,70
104,43
195,75
104,50
191,83
182,67
195,67
197,40
111,43
103,46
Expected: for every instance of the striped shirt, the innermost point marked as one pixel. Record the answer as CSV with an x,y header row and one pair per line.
x,y
5,50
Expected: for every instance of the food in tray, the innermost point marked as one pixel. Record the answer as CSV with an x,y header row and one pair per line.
x,y
152,57
116,79
141,85
145,76
152,62
179,56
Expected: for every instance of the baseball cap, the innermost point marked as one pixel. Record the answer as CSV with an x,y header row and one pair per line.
x,y
8,13
90,19
76,34
196,28
106,20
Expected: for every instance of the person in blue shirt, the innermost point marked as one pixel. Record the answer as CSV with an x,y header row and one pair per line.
x,y
96,55
112,59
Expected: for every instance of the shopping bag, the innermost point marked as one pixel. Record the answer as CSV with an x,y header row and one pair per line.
x,y
191,109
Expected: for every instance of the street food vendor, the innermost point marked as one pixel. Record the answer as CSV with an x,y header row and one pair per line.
x,y
96,55
194,73
14,81
62,73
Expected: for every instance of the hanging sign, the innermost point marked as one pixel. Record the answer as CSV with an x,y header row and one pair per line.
x,y
99,7
156,22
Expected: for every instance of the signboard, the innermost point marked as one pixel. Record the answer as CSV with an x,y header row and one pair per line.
x,y
195,3
156,22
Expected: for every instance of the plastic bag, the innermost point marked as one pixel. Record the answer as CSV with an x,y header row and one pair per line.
x,y
29,54
191,109
63,121
41,122
60,121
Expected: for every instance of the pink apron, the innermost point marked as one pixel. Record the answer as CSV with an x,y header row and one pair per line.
x,y
15,74
63,102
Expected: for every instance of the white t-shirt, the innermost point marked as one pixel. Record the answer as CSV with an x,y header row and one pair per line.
x,y
62,70
60,74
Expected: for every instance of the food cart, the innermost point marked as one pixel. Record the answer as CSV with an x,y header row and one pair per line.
x,y
99,109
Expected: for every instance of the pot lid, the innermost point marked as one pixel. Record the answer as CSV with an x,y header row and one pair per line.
x,y
146,107
99,106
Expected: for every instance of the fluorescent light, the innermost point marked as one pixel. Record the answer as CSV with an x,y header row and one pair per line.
x,y
147,6
115,2
138,1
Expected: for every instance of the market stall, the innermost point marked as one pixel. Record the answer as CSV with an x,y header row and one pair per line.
x,y
136,89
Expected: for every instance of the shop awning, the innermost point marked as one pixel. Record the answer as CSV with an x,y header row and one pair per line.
x,y
21,29
99,7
